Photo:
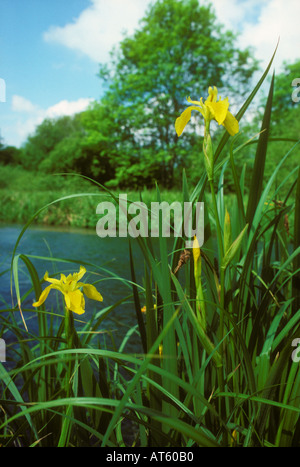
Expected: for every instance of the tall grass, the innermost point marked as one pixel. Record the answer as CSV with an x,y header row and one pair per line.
x,y
216,367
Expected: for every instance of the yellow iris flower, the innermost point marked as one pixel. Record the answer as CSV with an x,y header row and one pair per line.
x,y
69,287
211,109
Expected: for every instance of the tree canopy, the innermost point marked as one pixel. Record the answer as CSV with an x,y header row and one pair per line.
x,y
283,102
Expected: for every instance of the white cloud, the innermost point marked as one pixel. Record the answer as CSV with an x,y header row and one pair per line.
x,y
99,27
31,115
261,24
279,19
67,108
2,90
20,104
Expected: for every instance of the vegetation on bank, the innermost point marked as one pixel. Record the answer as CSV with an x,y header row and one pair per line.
x,y
24,193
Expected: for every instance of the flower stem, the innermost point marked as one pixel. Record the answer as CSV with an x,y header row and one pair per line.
x,y
67,424
209,162
217,219
221,294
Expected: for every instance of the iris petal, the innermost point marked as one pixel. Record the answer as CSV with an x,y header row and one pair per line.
x,y
43,296
91,292
231,124
212,94
195,102
219,110
184,118
81,272
50,279
75,301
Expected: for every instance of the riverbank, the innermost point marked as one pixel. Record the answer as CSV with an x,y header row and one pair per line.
x,y
59,200
70,201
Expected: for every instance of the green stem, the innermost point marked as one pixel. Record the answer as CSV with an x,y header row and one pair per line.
x,y
218,226
67,424
222,272
222,299
209,162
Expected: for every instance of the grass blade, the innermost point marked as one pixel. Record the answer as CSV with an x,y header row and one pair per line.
x,y
260,159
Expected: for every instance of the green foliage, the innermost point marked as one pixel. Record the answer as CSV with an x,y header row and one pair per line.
x,y
232,382
283,102
70,144
284,127
47,135
285,122
24,192
9,155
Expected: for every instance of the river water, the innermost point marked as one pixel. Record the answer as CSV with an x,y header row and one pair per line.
x,y
111,254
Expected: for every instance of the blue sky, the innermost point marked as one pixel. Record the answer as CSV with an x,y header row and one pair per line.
x,y
33,68
50,49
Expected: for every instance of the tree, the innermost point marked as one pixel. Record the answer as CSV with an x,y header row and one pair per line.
x,y
9,155
284,127
285,122
45,138
178,50
283,103
77,144
119,159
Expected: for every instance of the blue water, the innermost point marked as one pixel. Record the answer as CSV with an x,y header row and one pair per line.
x,y
111,254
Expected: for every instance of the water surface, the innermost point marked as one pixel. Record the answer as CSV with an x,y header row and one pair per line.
x,y
111,254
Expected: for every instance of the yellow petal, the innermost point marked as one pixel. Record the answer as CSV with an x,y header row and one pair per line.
x,y
91,292
49,279
63,278
212,94
181,121
184,118
67,300
231,124
195,102
219,110
75,301
72,279
81,272
43,296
